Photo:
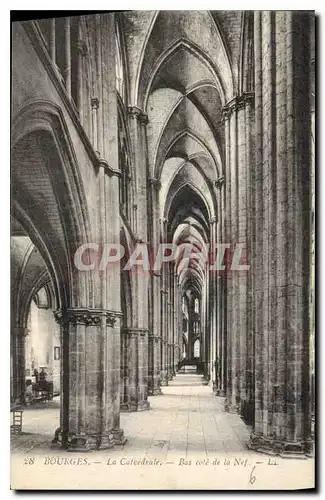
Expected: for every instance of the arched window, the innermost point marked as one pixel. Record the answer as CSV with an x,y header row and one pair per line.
x,y
196,306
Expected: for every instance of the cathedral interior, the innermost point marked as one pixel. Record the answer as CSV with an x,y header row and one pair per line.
x,y
186,128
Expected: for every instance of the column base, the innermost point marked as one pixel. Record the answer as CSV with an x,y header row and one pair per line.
x,y
231,407
220,393
154,386
130,407
269,446
310,453
156,391
143,405
150,388
164,379
87,442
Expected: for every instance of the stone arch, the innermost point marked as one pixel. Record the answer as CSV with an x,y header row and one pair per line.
x,y
178,137
195,50
171,196
40,134
189,164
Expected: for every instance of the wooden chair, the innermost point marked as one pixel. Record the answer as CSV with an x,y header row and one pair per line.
x,y
17,420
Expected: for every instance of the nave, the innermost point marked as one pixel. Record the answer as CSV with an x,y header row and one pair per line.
x,y
139,129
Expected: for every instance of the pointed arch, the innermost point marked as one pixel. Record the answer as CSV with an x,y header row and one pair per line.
x,y
142,54
197,52
186,132
44,120
192,187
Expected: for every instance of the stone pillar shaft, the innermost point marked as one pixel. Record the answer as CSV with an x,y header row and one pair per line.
x,y
164,309
282,183
135,343
81,52
212,301
232,293
155,337
67,48
52,41
18,363
90,407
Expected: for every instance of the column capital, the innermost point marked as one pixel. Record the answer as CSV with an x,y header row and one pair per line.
x,y
248,97
155,183
135,332
88,317
94,102
237,103
228,108
112,317
143,119
212,220
163,220
154,338
219,182
136,113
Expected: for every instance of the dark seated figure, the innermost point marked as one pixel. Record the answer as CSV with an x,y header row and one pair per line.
x,y
42,380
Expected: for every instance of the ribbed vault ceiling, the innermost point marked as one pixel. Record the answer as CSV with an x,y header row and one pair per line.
x,y
182,67
181,77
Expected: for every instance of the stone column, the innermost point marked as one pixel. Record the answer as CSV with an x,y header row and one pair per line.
x,y
213,299
205,325
90,330
170,305
220,355
155,335
52,41
164,313
176,324
225,317
248,411
135,342
245,124
90,396
231,404
282,206
237,158
67,61
82,52
94,124
18,335
180,324
137,336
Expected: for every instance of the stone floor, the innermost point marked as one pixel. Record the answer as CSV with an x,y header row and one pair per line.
x,y
185,441
186,418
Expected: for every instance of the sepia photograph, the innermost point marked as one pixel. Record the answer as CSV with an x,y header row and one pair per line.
x,y
162,250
